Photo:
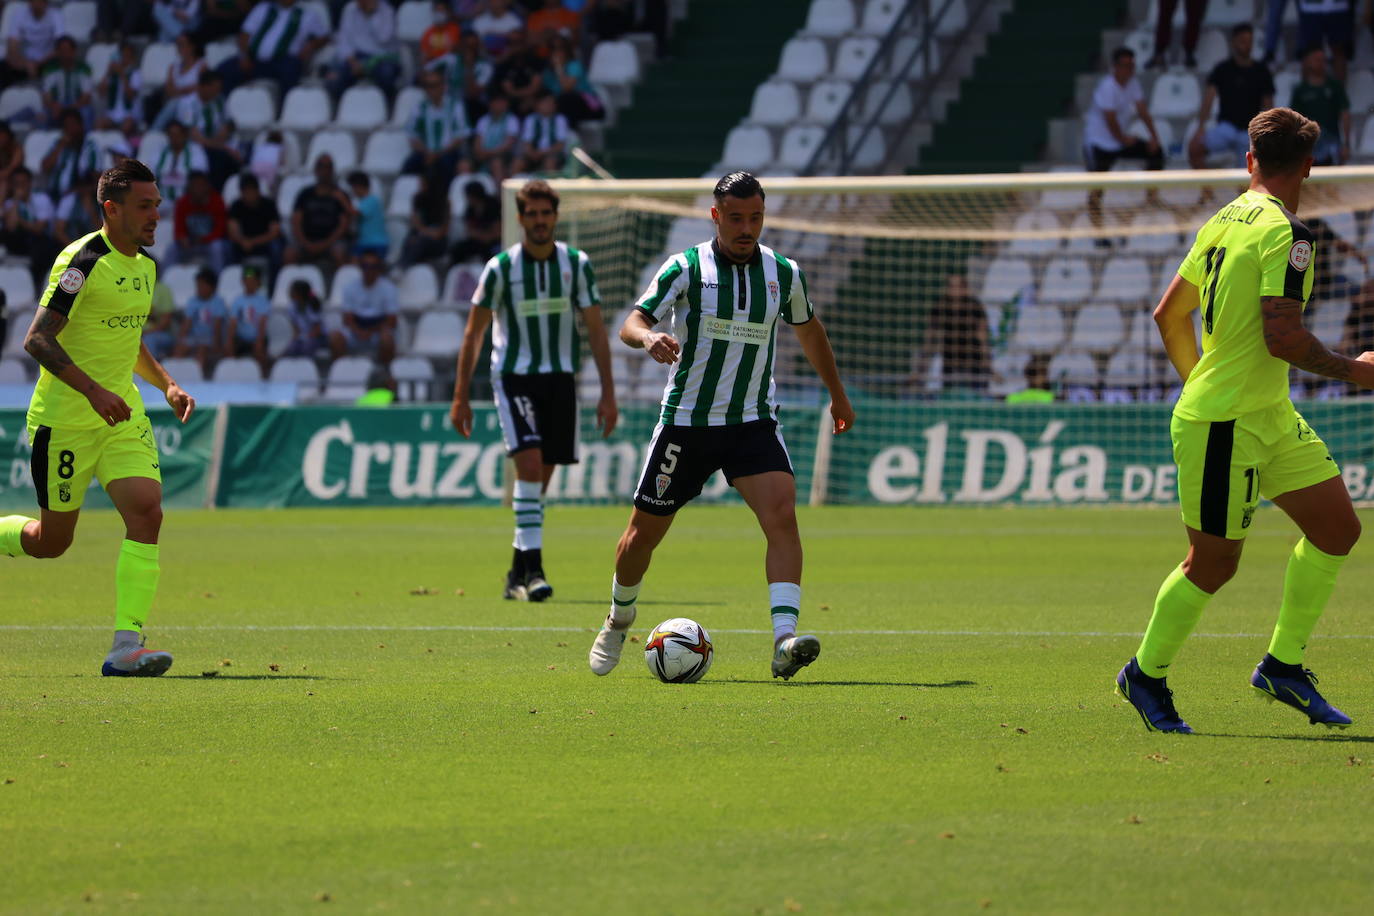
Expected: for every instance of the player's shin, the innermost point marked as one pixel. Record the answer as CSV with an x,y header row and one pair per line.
x,y
11,534
623,598
784,598
136,575
1178,607
528,503
1307,586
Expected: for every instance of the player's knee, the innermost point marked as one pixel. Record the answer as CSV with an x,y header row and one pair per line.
x,y
49,546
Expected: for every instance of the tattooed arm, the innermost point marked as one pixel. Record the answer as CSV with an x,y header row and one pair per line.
x,y
1287,339
41,343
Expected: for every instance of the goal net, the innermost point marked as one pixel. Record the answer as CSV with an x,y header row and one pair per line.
x,y
994,331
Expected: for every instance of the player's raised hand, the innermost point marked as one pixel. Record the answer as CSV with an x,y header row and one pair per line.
x,y
843,414
606,415
664,348
460,415
109,406
182,404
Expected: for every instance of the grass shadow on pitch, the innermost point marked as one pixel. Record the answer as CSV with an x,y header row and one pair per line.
x,y
1331,738
601,602
740,680
250,677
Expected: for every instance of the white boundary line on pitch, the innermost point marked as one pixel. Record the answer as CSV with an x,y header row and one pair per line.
x,y
460,628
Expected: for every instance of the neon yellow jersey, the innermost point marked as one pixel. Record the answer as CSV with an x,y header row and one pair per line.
x,y
106,297
1252,247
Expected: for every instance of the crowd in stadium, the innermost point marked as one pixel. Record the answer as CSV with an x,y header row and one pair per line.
x,y
501,87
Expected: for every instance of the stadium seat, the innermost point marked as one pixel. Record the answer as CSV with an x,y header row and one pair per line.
x,y
1142,43
919,59
1039,329
17,283
7,12
776,104
217,52
36,146
414,377
403,109
342,277
157,57
614,63
685,232
281,297
362,108
749,148
900,106
1008,371
419,288
879,16
1181,197
251,108
830,18
237,369
954,20
1097,329
402,194
18,99
854,55
339,145
299,370
1126,279
1070,370
1083,234
322,10
386,152
1175,95
13,372
1065,280
293,156
1360,91
1006,280
79,18
867,146
1326,319
306,108
1130,368
347,378
1285,80
290,187
279,332
230,192
803,60
1164,241
184,369
438,334
105,139
1142,334
799,144
1365,147
412,18
98,57
1037,232
1064,199
1229,12
230,285
1212,49
1344,225
13,345
459,285
827,99
181,280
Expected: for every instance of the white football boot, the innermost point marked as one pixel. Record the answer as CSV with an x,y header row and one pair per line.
x,y
793,654
605,654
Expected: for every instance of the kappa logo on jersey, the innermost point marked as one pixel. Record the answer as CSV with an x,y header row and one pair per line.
x,y
1300,255
71,280
662,482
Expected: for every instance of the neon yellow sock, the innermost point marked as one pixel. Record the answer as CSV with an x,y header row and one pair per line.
x,y
1307,586
11,527
1178,607
136,575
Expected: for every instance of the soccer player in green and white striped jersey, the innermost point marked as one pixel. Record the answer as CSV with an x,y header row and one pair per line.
x,y
534,292
725,297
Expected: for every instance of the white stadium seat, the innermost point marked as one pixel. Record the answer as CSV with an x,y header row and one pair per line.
x,y
17,283
347,379
1229,12
749,148
414,377
18,99
459,285
614,63
804,60
293,156
217,52
1142,43
300,370
1097,329
79,18
419,288
157,57
362,108
230,285
776,104
181,280
1037,232
231,192
1070,370
251,108
281,296
13,372
306,108
1365,148
900,105
184,369
344,276
1039,329
290,187
1175,95
830,18
98,57
1360,91
1065,280
386,152
237,369
1212,49
36,146
1005,280
799,144
412,18
402,194
871,152
1142,334
1161,242
438,333
880,16
827,99
954,20
407,100
923,61
339,145
854,55
13,344
685,232
1128,368
1126,280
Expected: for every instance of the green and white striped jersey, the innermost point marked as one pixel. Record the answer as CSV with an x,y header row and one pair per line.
x,y
725,316
436,126
533,302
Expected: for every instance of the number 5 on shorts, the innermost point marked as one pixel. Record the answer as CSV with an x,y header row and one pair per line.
x,y
670,458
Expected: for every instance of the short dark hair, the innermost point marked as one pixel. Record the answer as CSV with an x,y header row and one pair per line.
x,y
22,170
206,275
249,180
1119,53
1310,48
176,122
1240,28
739,184
207,76
357,176
1282,140
538,189
68,114
198,174
65,39
115,182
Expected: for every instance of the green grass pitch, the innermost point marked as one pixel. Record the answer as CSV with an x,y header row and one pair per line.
x,y
376,740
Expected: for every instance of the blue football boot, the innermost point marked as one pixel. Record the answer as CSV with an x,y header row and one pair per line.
x,y
1152,698
1296,686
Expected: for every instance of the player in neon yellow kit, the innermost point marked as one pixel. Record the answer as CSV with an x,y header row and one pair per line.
x,y
86,418
1236,434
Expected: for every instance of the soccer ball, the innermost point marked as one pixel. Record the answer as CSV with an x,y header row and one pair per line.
x,y
679,651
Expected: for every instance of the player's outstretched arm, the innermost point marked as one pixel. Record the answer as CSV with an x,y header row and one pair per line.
x,y
1173,316
606,411
815,343
41,343
152,371
460,412
638,332
1287,339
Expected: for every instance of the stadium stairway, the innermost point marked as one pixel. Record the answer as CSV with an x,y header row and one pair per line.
x,y
1026,77
681,112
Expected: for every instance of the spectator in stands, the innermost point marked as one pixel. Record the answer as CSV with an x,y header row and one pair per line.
x,y
183,76
381,389
220,19
439,131
1330,280
72,154
370,306
210,128
1037,390
178,159
544,137
481,225
496,24
202,325
1193,11
277,40
430,217
34,29
175,17
26,224
1118,96
467,72
371,237
307,321
77,213
611,19
120,92
442,35
366,45
567,79
320,219
958,331
67,84
158,331
1358,334
255,226
1322,98
246,332
1328,24
117,18
495,137
11,158
1273,29
520,75
268,157
1243,88
550,20
200,231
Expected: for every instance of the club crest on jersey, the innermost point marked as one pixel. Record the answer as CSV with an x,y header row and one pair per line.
x,y
71,280
773,290
661,482
1300,255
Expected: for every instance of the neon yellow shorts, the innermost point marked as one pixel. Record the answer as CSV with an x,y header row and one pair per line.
x,y
65,460
1225,467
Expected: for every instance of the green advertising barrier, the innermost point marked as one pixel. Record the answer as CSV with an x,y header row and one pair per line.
x,y
1046,453
185,451
410,455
